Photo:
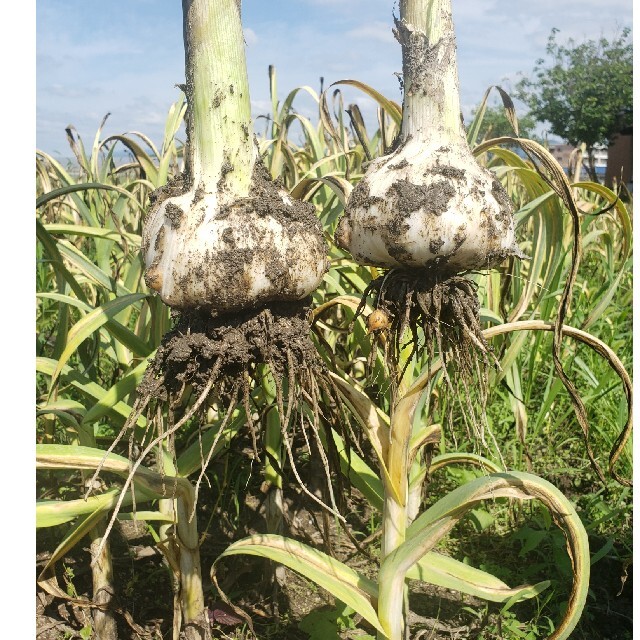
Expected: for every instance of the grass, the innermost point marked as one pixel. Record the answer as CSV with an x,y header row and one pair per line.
x,y
98,327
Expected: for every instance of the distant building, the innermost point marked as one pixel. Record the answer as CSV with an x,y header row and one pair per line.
x,y
562,152
601,156
620,165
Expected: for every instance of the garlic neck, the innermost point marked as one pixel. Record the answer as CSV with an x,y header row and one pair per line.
x,y
220,143
431,105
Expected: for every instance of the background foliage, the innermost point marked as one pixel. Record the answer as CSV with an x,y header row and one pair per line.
x,y
584,90
98,327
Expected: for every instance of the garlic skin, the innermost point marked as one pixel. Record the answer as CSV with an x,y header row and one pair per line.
x,y
201,253
428,202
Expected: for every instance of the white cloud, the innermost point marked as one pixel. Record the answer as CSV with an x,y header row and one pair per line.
x,y
60,46
250,36
72,92
372,31
261,106
328,3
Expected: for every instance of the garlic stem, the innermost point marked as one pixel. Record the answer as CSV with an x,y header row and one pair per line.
x,y
431,106
218,94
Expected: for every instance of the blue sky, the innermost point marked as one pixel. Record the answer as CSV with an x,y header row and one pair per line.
x,y
125,56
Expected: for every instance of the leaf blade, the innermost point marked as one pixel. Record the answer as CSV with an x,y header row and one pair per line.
x,y
90,323
340,580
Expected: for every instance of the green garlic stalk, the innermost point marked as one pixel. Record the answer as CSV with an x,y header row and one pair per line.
x,y
428,202
223,236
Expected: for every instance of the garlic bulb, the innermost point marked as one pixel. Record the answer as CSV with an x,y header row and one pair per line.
x,y
255,249
225,237
428,202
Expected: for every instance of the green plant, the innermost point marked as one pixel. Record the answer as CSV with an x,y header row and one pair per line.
x,y
328,622
496,124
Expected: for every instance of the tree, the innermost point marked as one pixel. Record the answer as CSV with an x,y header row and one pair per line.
x,y
585,92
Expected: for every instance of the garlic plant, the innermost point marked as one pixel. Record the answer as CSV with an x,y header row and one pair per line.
x,y
380,599
431,214
428,203
224,237
238,258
